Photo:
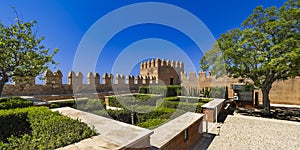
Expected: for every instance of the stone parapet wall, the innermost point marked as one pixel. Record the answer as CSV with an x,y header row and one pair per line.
x,y
53,84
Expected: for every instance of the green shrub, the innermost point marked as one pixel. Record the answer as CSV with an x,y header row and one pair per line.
x,y
14,102
152,123
13,123
190,107
113,101
168,91
204,100
170,104
185,106
162,113
49,130
120,115
174,99
142,97
82,104
58,104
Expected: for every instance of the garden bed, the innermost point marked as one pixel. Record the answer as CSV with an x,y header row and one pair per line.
x,y
148,110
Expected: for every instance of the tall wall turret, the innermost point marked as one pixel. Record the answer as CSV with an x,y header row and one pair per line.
x,y
166,71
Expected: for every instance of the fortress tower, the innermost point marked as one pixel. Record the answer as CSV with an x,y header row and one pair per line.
x,y
163,70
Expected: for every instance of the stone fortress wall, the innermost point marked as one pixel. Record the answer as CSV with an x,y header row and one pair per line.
x,y
152,72
282,92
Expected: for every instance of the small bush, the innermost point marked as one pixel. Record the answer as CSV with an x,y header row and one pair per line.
x,y
14,102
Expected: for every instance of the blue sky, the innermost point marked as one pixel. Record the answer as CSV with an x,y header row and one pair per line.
x,y
65,22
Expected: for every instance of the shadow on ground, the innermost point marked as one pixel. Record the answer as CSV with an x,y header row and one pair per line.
x,y
205,141
282,113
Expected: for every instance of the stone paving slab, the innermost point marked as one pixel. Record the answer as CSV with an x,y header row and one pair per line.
x,y
246,132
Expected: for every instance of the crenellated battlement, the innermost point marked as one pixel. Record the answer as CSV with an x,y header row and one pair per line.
x,y
55,78
200,75
157,63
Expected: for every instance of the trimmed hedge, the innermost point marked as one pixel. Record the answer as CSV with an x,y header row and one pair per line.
x,y
48,130
162,113
13,123
152,123
126,101
185,106
168,91
14,102
58,104
175,99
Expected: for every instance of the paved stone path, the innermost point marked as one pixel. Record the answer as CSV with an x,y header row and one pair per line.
x,y
245,132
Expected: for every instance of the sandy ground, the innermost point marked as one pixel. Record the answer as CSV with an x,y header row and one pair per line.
x,y
245,132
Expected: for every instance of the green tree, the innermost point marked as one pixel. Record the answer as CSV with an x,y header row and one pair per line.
x,y
21,52
265,49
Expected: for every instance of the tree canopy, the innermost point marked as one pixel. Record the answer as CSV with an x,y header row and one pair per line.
x,y
21,51
265,48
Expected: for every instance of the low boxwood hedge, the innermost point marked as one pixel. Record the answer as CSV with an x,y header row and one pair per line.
x,y
39,128
14,102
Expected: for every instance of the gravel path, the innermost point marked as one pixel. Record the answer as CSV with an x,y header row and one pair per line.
x,y
245,132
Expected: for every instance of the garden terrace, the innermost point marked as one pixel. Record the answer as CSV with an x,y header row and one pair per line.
x,y
112,133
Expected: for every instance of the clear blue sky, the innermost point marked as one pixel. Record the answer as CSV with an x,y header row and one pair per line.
x,y
65,22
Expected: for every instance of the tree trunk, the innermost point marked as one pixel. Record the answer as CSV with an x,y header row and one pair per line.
x,y
2,83
266,101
